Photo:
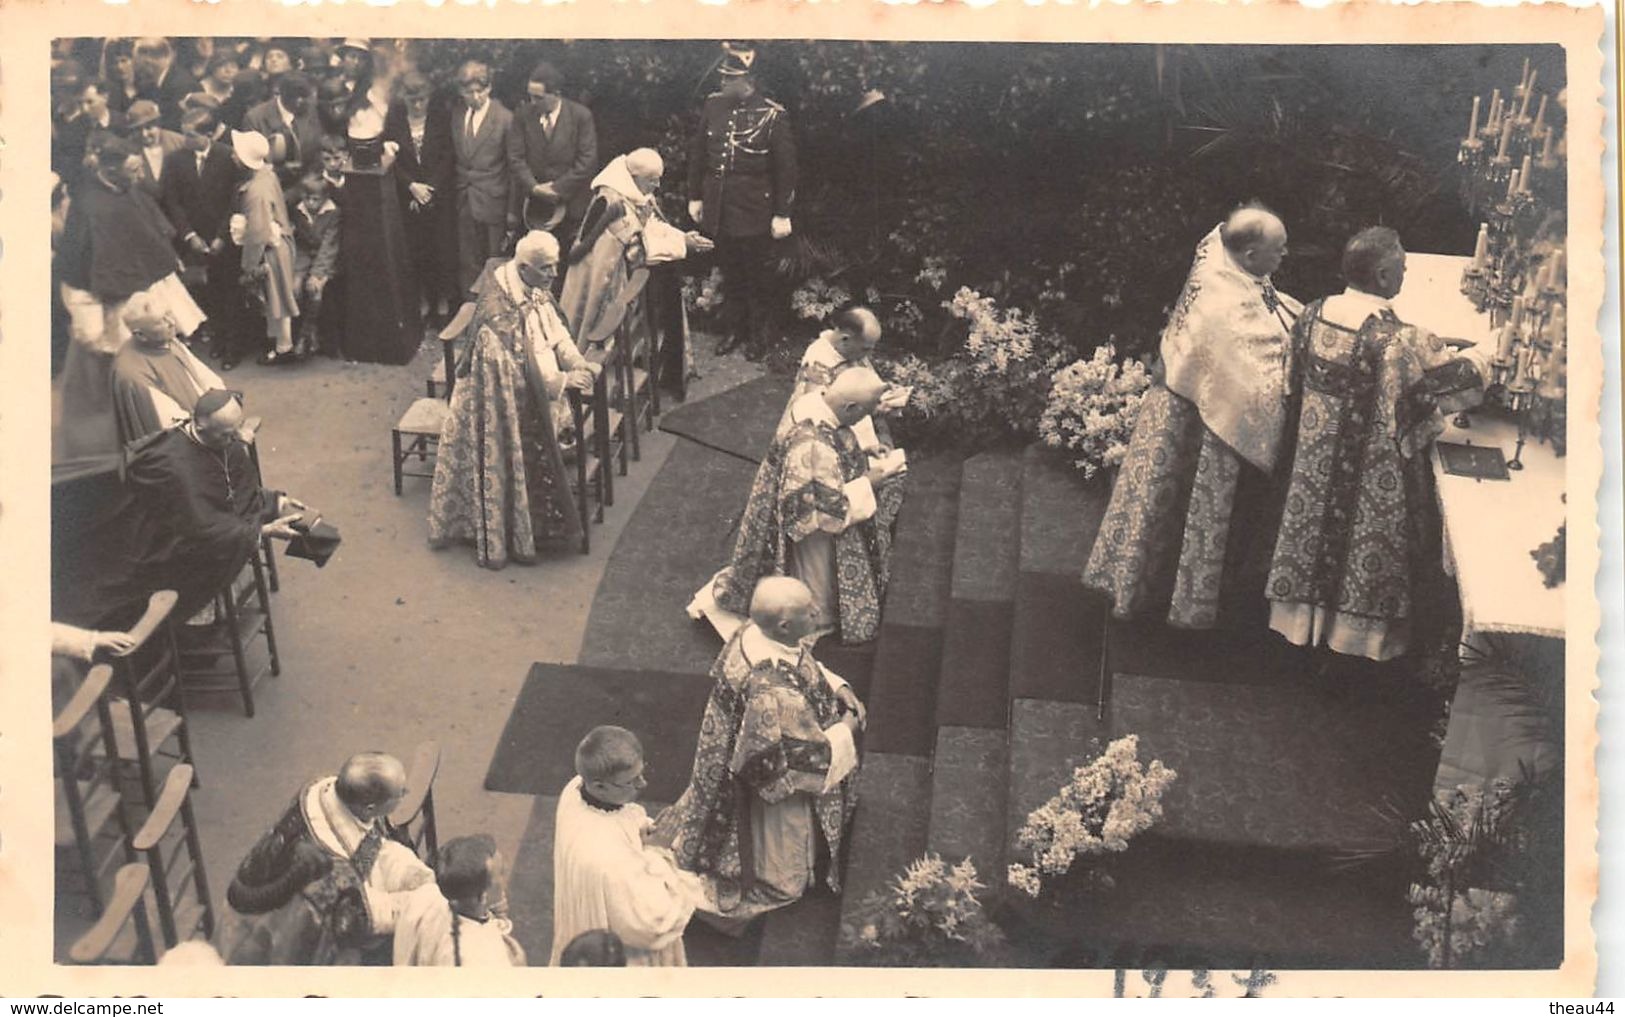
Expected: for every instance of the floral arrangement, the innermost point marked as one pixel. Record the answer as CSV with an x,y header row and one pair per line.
x,y
1092,407
1106,803
703,295
931,915
1551,558
1478,843
817,299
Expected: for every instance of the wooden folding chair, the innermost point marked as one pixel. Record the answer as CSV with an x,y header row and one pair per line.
x,y
150,733
414,816
123,934
418,431
161,835
250,434
91,824
242,614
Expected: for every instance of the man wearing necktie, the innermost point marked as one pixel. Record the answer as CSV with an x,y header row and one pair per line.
x,y
325,884
1188,529
553,150
487,206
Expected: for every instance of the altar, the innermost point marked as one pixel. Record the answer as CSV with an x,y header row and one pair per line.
x,y
1513,625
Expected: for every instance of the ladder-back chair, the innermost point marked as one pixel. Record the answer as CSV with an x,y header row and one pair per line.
x,y
149,719
91,824
169,839
123,934
414,816
418,431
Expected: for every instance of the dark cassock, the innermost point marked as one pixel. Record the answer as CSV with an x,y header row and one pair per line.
x,y
499,477
622,236
156,387
1361,536
321,887
774,772
1181,533
812,514
197,514
381,319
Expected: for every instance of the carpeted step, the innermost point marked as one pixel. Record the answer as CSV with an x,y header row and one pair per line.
x,y
1246,865
908,650
1252,656
1060,628
969,773
889,830
976,644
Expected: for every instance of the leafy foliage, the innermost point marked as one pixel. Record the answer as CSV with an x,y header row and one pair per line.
x,y
929,916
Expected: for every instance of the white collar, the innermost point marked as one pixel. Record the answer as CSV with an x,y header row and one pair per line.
x,y
762,648
1376,303
618,178
513,286
1239,267
331,821
812,408
282,110
822,351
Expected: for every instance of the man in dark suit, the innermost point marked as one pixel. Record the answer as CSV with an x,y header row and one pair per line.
x,y
155,142
553,150
741,188
200,183
161,78
487,204
289,122
96,124
425,166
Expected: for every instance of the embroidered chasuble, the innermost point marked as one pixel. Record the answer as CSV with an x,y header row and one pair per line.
x,y
1360,533
774,771
1201,455
813,515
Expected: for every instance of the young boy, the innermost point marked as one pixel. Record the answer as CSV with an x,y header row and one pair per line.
x,y
316,252
460,920
604,875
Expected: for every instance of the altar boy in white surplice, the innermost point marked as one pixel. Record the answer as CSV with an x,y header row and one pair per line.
x,y
604,875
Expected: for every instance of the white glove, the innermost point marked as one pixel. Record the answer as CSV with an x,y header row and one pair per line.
x,y
238,227
696,210
780,227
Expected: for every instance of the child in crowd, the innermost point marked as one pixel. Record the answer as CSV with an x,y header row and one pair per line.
x,y
316,253
604,876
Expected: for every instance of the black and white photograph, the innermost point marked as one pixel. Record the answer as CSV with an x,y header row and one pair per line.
x,y
805,501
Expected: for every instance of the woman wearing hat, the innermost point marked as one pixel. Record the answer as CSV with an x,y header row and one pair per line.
x,y
267,243
381,321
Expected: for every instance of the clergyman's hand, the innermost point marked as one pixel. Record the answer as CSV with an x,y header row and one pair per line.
x,y
291,504
282,529
581,380
116,643
698,243
854,705
696,210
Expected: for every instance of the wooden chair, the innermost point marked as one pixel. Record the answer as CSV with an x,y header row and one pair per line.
x,y
250,432
445,368
639,393
150,733
161,835
91,824
589,463
421,424
242,614
415,814
123,934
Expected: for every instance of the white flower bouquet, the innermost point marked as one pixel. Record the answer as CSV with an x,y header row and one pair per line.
x,y
1092,407
1106,803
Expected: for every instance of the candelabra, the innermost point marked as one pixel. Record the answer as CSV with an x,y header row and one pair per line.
x,y
1512,179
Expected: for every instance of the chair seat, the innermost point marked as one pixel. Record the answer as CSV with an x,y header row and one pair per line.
x,y
424,416
161,724
100,801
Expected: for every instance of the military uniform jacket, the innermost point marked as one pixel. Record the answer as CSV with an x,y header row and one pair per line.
x,y
742,164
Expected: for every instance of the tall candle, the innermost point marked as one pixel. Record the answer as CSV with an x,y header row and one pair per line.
x,y
1557,269
1517,311
1503,346
1546,146
1481,250
1495,110
1525,170
1523,82
1540,115
1512,184
1506,137
1472,125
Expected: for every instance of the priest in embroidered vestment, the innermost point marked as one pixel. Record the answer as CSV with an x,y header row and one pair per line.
x,y
775,771
813,514
499,478
1176,539
1361,536
325,884
605,875
622,235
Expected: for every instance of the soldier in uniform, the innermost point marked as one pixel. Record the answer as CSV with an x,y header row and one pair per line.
x,y
742,185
